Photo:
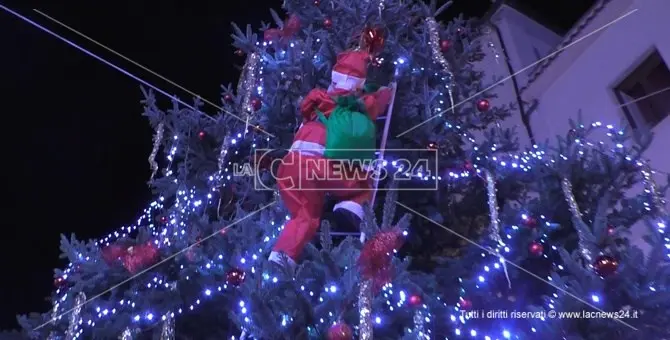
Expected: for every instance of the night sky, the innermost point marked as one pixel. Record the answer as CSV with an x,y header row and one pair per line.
x,y
74,143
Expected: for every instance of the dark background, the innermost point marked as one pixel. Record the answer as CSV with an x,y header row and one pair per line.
x,y
74,143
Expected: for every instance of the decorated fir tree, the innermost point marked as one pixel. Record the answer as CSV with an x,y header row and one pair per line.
x,y
195,264
565,241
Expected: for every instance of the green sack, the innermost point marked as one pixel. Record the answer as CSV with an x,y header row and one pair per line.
x,y
350,133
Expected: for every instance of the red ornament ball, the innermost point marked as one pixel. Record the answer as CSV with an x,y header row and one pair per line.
x,y
59,282
415,300
327,23
317,2
468,165
536,248
235,277
239,53
572,133
530,222
605,265
202,135
483,105
445,45
256,104
432,146
465,304
610,230
228,98
340,331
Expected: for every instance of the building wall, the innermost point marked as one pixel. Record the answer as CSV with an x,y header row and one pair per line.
x,y
582,84
519,40
527,41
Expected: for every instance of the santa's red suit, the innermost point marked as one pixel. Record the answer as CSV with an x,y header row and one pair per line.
x,y
304,195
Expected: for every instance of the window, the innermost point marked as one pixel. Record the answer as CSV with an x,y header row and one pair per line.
x,y
645,93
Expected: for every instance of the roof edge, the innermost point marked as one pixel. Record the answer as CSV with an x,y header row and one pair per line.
x,y
568,39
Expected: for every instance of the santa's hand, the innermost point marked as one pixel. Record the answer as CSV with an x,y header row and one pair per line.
x,y
311,102
384,96
377,102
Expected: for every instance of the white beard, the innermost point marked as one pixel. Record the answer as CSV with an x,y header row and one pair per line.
x,y
345,82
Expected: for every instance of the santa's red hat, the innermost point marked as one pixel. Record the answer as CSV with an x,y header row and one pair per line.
x,y
350,70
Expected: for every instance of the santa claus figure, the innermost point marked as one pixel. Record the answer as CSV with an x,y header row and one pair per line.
x,y
309,172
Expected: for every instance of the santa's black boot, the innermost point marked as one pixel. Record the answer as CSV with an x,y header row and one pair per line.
x,y
346,221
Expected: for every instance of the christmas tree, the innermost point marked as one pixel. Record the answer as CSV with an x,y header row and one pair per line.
x,y
195,264
569,270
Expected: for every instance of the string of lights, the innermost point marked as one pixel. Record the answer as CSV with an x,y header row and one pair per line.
x,y
463,311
